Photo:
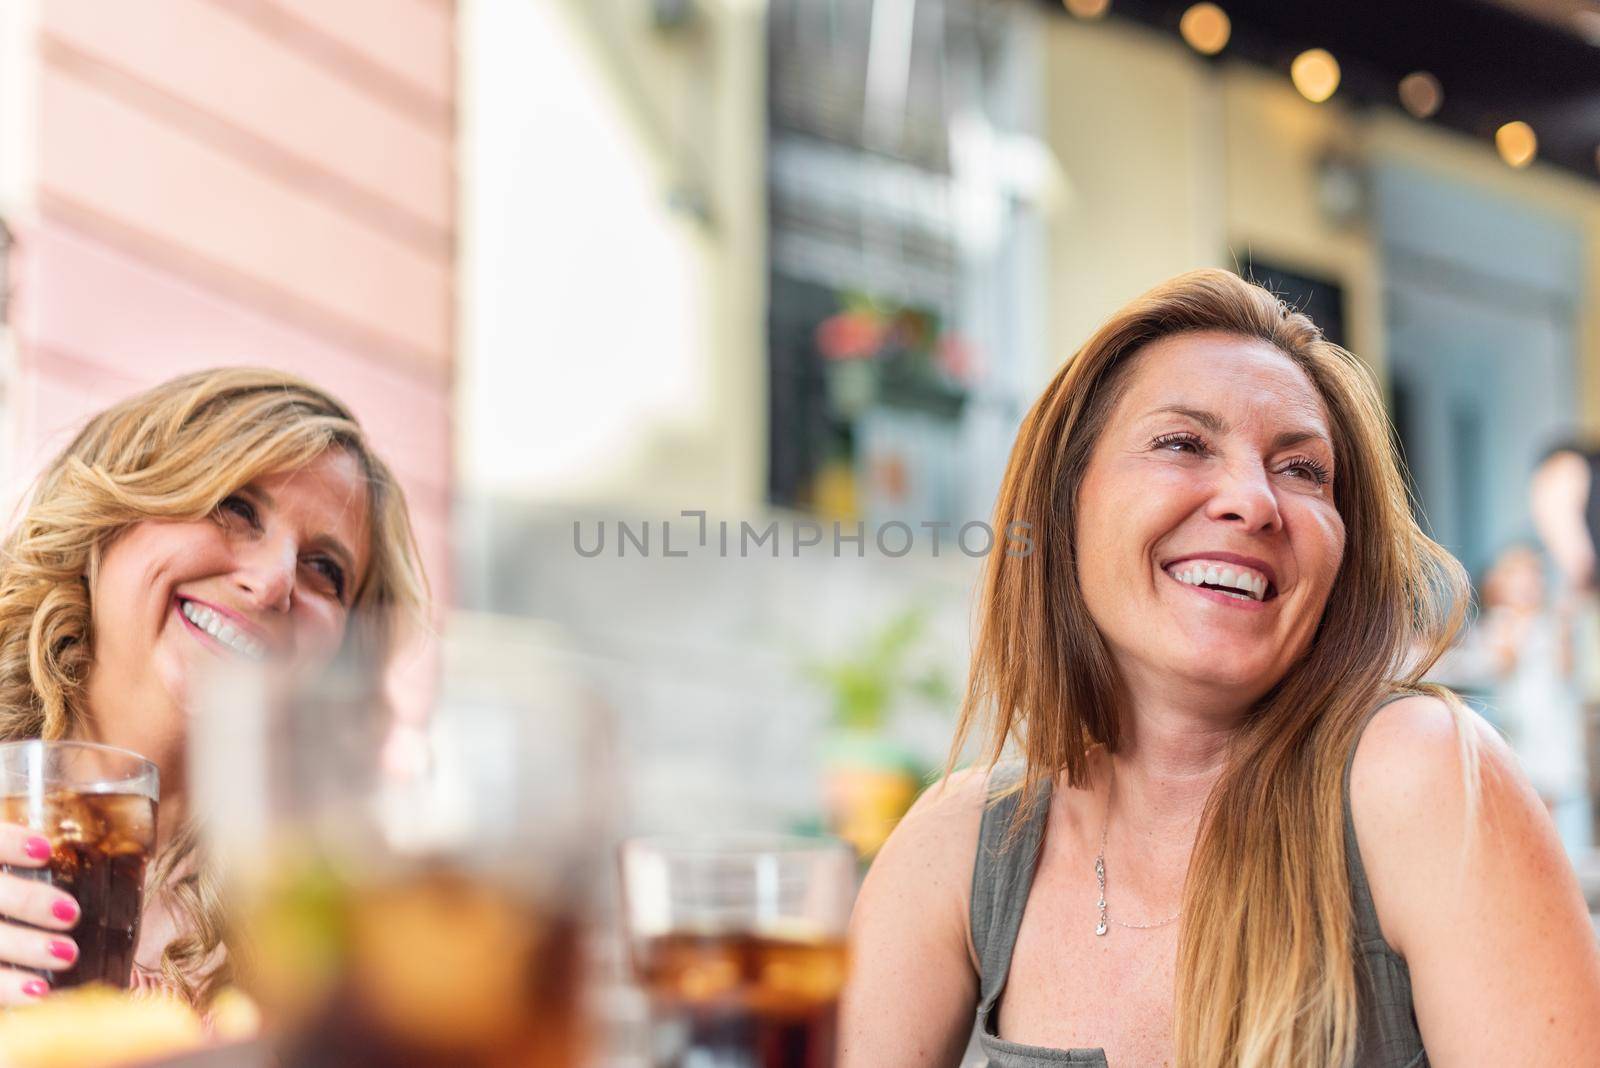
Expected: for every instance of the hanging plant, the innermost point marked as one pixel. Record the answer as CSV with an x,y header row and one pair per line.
x,y
876,352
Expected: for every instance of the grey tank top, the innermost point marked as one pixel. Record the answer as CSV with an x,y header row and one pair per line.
x,y
1003,875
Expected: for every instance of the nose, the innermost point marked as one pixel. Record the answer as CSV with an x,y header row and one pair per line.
x,y
1243,496
265,573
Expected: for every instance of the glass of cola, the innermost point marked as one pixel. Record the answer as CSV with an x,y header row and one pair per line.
x,y
97,806
739,943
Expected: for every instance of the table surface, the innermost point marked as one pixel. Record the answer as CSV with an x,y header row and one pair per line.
x,y
250,1055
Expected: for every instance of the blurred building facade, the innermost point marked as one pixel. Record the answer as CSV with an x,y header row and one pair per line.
x,y
196,183
1113,157
684,224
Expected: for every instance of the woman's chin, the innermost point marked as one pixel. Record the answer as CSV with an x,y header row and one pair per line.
x,y
1223,670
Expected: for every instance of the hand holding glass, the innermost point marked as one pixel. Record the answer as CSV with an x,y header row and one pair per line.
x,y
89,813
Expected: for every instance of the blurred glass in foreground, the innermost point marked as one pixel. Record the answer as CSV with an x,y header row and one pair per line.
x,y
739,941
407,900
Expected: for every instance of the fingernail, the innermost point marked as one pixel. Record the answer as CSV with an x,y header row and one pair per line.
x,y
36,988
62,950
64,910
38,848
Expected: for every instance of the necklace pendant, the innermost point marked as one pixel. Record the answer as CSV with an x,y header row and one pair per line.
x,y
1100,928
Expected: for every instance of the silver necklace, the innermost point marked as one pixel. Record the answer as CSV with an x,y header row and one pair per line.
x,y
1100,869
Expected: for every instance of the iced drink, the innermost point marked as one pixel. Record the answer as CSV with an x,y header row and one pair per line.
x,y
96,806
742,1000
739,943
427,969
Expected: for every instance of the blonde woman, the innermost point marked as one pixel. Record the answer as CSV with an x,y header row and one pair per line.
x,y
246,494
1243,830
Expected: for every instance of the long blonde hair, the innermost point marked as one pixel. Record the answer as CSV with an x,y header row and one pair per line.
x,y
175,452
1266,972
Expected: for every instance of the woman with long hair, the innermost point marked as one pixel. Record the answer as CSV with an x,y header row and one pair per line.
x,y
228,513
1242,828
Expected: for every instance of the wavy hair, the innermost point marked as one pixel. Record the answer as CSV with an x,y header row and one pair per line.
x,y
174,453
1266,964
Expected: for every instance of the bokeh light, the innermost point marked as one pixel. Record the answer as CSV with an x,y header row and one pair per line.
x,y
1088,9
1316,74
1517,142
1206,27
1421,94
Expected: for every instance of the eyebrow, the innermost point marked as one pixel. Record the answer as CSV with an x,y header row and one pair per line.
x,y
1217,425
325,542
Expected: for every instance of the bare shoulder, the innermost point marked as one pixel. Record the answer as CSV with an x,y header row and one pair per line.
x,y
951,808
1473,889
1435,790
913,983
1413,751
931,853
1422,767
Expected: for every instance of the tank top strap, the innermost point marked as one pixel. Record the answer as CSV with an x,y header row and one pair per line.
x,y
1388,1035
1002,875
1365,911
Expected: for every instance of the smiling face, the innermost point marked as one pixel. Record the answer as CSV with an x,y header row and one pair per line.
x,y
270,575
1215,468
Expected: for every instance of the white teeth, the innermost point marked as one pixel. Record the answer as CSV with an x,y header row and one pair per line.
x,y
212,624
1247,585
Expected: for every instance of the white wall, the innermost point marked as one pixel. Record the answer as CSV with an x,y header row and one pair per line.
x,y
612,344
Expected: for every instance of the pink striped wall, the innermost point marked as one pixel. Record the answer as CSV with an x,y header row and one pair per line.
x,y
245,181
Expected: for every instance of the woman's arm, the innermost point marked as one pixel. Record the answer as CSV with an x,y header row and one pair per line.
x,y
1486,911
913,984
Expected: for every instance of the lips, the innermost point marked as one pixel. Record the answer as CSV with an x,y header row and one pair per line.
x,y
1255,563
1232,600
222,627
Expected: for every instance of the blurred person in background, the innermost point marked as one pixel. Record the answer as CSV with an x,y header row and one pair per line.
x,y
1564,496
229,513
1523,644
1244,831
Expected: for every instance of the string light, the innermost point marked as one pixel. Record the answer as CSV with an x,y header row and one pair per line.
x,y
1206,27
1517,143
1316,74
1421,94
1088,9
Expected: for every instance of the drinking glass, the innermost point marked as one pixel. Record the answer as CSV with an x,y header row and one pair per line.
x,y
739,943
408,897
97,806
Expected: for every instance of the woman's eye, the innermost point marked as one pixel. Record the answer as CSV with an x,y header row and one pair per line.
x,y
1173,442
237,506
332,573
1310,470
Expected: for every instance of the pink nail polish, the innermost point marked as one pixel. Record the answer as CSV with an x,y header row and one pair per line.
x,y
36,988
64,910
62,950
38,848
